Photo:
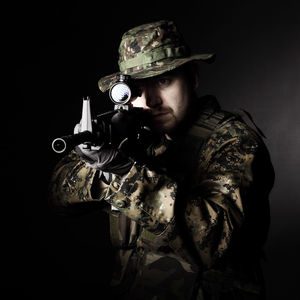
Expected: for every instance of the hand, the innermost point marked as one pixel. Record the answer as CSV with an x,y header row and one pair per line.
x,y
104,157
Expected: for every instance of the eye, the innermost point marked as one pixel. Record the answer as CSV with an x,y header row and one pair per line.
x,y
163,81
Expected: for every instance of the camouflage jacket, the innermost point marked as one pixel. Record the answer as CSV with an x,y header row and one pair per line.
x,y
193,222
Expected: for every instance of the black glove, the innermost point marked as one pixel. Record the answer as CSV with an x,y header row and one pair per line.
x,y
104,157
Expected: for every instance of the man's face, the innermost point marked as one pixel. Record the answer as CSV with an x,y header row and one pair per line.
x,y
166,98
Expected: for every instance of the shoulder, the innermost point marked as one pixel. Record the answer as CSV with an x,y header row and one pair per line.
x,y
233,137
235,128
225,132
213,123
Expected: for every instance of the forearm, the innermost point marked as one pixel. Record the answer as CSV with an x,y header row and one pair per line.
x,y
149,199
145,197
73,182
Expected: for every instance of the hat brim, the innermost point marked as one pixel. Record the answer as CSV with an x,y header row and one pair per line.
x,y
107,81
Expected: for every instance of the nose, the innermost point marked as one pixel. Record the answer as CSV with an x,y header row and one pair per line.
x,y
149,98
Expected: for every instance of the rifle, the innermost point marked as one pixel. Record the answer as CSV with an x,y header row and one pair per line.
x,y
112,127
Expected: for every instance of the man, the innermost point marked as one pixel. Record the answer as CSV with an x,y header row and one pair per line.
x,y
190,216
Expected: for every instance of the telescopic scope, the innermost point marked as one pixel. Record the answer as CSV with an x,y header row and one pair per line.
x,y
123,90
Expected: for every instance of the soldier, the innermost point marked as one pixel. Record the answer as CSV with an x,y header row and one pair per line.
x,y
190,218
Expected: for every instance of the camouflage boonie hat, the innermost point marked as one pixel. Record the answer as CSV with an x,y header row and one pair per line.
x,y
150,50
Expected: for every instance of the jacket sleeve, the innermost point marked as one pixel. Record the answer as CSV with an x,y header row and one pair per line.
x,y
216,210
215,207
72,184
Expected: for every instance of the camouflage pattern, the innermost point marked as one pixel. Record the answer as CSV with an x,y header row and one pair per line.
x,y
186,230
150,50
72,181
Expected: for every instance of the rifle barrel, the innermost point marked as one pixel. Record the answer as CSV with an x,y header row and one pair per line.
x,y
61,144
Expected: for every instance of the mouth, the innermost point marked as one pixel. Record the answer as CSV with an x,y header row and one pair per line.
x,y
154,115
159,113
160,116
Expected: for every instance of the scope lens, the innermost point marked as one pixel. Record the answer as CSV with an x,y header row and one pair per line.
x,y
120,93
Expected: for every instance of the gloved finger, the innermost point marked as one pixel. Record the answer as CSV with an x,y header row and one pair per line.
x,y
88,155
77,128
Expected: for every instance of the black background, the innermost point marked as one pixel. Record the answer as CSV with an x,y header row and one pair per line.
x,y
62,48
